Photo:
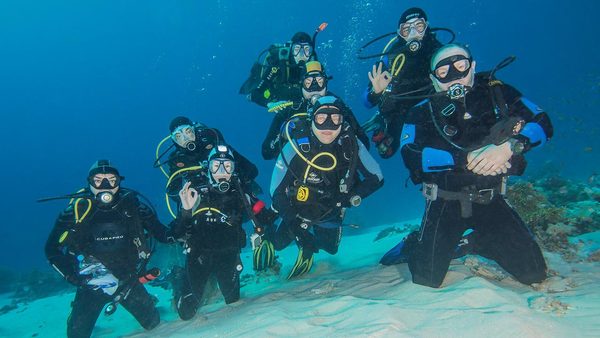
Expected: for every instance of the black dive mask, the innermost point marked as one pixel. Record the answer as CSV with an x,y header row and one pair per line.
x,y
328,118
452,68
314,83
105,183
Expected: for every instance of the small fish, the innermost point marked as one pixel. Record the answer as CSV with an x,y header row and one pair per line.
x,y
592,178
588,149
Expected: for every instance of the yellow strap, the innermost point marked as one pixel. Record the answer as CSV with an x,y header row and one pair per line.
x,y
169,206
87,210
387,46
394,70
196,167
157,151
207,209
78,191
324,169
309,162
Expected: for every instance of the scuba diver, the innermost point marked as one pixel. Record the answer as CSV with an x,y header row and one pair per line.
x,y
210,226
193,142
314,85
278,76
321,171
101,244
402,69
461,144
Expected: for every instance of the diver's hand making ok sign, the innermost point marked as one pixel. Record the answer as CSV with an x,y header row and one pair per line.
x,y
188,196
379,78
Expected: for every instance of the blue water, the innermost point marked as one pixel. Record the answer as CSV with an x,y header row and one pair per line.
x,y
83,80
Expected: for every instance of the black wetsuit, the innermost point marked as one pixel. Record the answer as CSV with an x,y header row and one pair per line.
x,y
356,174
413,78
107,233
206,140
279,80
271,145
500,234
213,240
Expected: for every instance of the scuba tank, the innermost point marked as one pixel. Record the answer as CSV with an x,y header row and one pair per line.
x,y
276,54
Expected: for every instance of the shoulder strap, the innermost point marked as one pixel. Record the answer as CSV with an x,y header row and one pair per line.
x,y
497,96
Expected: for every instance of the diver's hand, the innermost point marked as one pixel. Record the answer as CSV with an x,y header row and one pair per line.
x,y
379,79
188,196
490,160
107,283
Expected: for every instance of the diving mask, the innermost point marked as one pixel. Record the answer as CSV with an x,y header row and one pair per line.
x,y
304,48
314,82
221,166
452,68
328,118
104,182
418,25
185,136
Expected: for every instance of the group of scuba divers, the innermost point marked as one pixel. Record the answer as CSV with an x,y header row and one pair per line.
x,y
460,134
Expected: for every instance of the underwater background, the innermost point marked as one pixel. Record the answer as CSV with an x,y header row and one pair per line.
x,y
85,80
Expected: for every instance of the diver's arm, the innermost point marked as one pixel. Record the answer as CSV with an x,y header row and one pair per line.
x,y
258,213
370,171
369,97
420,159
180,225
281,179
151,223
56,251
538,128
271,144
358,130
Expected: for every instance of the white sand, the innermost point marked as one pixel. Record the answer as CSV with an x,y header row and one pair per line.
x,y
351,295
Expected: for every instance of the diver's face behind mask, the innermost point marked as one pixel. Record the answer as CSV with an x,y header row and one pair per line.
x,y
221,169
413,30
301,52
104,186
314,84
452,67
327,124
185,137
